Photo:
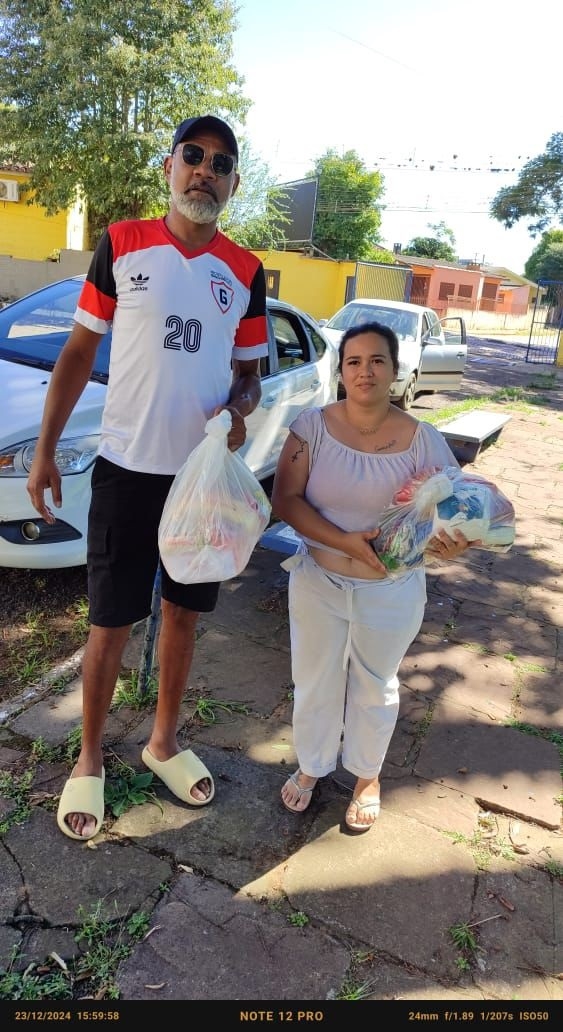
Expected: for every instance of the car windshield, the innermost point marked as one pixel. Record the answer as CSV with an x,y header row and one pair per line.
x,y
403,323
34,329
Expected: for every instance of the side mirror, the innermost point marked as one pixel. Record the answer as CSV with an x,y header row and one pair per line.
x,y
322,322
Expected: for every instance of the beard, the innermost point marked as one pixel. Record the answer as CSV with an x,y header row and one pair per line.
x,y
197,209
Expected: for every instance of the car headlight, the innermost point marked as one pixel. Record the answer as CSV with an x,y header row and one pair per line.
x,y
72,455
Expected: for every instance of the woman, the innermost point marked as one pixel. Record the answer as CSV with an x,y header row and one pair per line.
x,y
350,623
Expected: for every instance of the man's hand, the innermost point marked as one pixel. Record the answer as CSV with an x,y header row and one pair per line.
x,y
44,474
237,434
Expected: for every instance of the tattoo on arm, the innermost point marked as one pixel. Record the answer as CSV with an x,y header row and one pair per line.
x,y
300,447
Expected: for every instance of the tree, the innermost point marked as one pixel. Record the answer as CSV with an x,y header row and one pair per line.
x,y
347,217
254,217
94,91
534,268
441,246
538,193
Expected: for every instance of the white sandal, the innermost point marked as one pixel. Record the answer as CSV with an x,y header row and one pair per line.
x,y
373,804
302,791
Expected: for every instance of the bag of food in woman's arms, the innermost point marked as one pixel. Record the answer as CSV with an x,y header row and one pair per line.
x,y
443,499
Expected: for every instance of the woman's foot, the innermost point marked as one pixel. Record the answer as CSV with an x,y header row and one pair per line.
x,y
297,791
363,811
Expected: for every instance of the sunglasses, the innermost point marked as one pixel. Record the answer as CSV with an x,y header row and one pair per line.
x,y
222,164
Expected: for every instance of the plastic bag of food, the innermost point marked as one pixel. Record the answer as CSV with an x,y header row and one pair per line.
x,y
443,499
215,511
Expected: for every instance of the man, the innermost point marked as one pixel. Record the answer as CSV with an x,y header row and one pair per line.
x,y
188,311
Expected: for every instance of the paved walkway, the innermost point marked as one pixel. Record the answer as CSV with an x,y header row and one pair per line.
x,y
250,903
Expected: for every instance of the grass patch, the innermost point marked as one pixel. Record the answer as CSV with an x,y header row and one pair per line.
x,y
354,990
128,693
105,944
208,711
16,787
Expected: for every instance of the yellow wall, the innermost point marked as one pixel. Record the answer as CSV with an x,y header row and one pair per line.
x,y
316,285
26,231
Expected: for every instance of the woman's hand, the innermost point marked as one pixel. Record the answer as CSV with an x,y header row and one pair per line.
x,y
357,546
442,546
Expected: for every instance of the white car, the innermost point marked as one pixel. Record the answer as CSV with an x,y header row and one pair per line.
x,y
432,352
300,371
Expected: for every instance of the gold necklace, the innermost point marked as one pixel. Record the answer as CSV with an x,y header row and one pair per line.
x,y
365,430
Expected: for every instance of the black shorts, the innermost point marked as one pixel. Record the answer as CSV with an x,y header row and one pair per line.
x,y
122,555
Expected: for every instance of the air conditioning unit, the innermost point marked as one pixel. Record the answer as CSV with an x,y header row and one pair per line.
x,y
9,190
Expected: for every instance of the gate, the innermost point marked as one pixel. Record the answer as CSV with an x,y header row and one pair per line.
x,y
391,282
547,323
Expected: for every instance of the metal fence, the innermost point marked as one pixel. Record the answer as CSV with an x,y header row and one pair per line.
x,y
547,323
388,281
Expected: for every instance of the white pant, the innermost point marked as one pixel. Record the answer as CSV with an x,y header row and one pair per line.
x,y
348,638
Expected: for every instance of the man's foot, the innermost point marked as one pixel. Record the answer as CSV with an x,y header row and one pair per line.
x,y
81,805
363,811
184,774
297,791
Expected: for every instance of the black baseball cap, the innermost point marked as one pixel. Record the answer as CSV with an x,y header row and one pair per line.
x,y
190,126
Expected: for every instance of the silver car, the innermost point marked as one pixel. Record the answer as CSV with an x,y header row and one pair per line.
x,y
432,352
300,371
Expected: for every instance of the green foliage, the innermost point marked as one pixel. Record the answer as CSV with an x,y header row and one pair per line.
x,y
538,192
549,266
441,246
463,938
352,990
348,215
24,985
128,788
254,217
90,94
128,692
17,788
533,268
298,919
208,710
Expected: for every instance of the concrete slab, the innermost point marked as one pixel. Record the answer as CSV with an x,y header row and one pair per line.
x,y
236,950
370,886
501,767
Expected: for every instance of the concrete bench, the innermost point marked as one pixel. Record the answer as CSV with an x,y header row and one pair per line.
x,y
467,434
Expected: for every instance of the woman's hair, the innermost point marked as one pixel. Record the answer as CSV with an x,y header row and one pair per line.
x,y
372,327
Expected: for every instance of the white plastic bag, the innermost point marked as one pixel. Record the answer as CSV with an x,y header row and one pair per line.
x,y
215,511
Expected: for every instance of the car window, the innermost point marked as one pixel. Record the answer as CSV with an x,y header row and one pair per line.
x,y
291,343
404,324
433,324
319,343
35,328
352,315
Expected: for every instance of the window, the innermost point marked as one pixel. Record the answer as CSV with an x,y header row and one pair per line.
x,y
446,291
318,341
465,290
291,347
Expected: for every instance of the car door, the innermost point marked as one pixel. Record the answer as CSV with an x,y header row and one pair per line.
x,y
292,383
444,352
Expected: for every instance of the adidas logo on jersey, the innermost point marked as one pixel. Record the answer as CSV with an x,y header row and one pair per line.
x,y
139,282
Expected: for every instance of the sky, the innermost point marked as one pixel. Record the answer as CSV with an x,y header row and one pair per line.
x,y
465,87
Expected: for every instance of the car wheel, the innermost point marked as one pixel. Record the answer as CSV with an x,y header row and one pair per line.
x,y
409,393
